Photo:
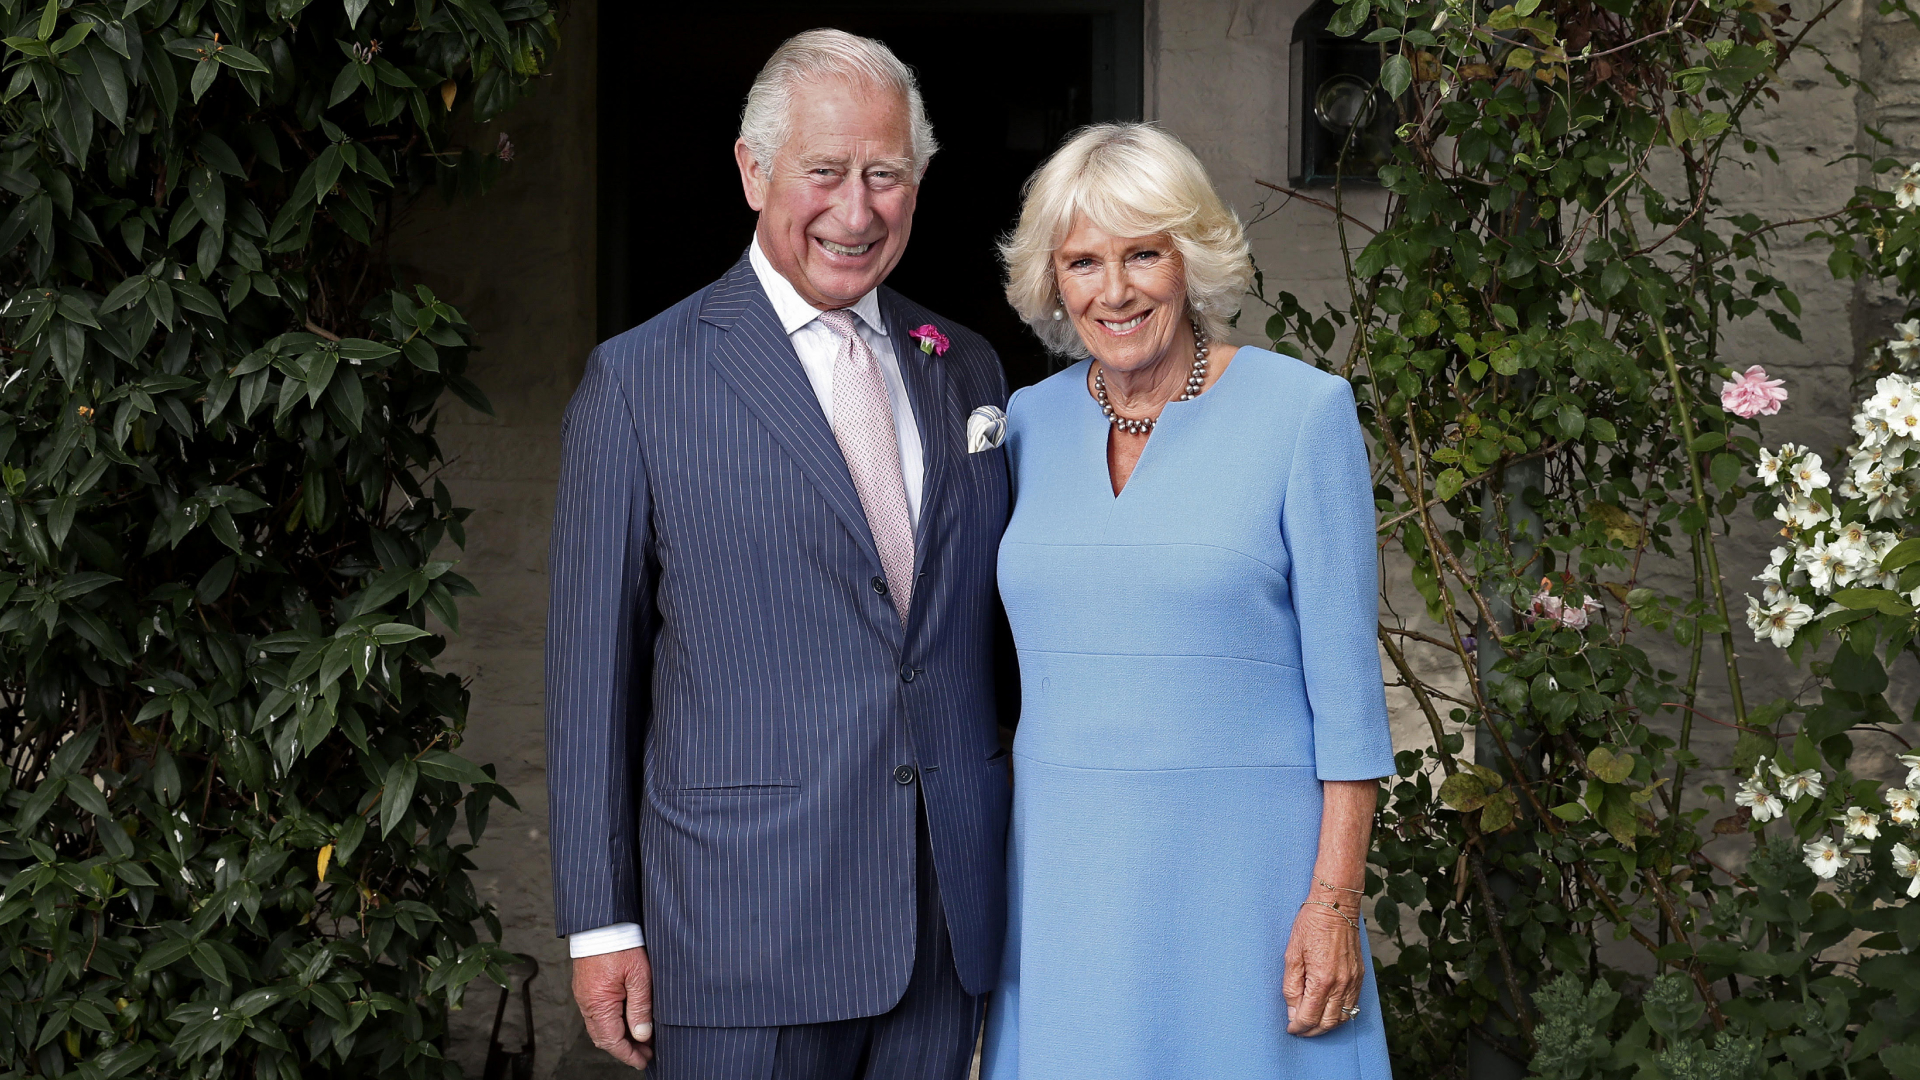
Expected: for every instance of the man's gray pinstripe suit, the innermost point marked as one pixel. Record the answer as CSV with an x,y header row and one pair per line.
x,y
732,703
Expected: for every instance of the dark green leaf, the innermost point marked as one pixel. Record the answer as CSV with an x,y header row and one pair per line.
x,y
397,794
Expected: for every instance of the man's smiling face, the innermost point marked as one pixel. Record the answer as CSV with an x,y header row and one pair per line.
x,y
837,204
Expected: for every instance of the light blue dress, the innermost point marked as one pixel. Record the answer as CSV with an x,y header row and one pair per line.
x,y
1196,655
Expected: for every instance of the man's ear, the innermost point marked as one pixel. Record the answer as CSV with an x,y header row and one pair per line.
x,y
752,180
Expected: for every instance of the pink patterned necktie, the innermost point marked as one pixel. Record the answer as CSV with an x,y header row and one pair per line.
x,y
863,425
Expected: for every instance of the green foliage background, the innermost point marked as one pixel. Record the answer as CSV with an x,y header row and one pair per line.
x,y
231,835
1537,334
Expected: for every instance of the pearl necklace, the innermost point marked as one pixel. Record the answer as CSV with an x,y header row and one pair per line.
x,y
1143,426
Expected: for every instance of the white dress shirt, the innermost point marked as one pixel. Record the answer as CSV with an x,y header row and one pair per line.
x,y
817,347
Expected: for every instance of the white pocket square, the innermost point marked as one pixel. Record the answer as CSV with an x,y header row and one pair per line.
x,y
986,428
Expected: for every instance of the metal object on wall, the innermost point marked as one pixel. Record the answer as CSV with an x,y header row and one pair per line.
x,y
517,1065
1338,109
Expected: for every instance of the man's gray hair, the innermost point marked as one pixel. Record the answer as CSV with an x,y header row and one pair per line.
x,y
766,121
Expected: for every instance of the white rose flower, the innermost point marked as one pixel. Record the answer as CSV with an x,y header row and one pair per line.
x,y
1796,786
1754,794
1861,824
1781,621
1828,564
1824,858
1903,806
1800,512
1888,393
1906,339
1912,762
1904,422
1889,501
1907,865
1770,467
1906,190
1808,474
1873,430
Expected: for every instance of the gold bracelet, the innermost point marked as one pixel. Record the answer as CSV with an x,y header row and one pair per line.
x,y
1338,888
1351,921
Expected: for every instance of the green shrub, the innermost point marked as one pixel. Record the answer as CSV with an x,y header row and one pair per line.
x,y
230,841
1538,343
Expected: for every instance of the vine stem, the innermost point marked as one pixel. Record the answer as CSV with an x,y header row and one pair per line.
x,y
1479,869
1399,659
1665,903
1685,416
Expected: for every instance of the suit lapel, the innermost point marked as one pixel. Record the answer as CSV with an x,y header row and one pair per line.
x,y
756,358
935,412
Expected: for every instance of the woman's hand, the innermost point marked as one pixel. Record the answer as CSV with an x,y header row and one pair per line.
x,y
1324,969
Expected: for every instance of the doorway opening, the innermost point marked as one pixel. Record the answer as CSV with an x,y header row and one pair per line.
x,y
1004,83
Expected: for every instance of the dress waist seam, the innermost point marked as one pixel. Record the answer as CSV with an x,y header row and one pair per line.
x,y
1167,656
1018,756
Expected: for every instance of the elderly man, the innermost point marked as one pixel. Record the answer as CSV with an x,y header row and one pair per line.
x,y
779,805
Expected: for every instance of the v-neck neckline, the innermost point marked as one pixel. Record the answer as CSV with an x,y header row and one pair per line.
x,y
1105,428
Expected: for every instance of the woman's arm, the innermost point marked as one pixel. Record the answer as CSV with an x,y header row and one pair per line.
x,y
1325,964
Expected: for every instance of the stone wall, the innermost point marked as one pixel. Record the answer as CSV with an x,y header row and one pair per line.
x,y
521,264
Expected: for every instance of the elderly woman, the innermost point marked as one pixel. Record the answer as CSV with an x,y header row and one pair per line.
x,y
1190,577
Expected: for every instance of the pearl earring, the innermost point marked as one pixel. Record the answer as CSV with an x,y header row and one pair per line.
x,y
1058,314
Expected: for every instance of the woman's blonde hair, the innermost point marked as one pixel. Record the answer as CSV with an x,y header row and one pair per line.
x,y
1128,180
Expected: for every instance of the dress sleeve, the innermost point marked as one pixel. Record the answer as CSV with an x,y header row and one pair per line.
x,y
1327,520
600,619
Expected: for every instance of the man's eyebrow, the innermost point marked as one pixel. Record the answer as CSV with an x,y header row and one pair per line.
x,y
892,164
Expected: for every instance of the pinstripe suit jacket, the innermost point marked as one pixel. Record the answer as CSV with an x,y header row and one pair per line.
x,y
729,695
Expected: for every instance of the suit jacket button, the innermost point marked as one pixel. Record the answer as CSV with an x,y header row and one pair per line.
x,y
880,585
907,672
903,775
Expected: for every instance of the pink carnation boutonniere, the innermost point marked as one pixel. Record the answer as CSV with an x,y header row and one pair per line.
x,y
1753,394
931,340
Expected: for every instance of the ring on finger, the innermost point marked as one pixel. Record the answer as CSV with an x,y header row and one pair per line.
x,y
1350,1011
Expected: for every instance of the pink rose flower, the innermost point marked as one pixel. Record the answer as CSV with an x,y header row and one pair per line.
x,y
1547,607
931,339
1753,394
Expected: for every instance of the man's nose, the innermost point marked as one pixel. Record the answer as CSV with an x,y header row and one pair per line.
x,y
855,208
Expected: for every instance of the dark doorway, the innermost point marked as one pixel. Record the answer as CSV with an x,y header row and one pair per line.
x,y
1004,82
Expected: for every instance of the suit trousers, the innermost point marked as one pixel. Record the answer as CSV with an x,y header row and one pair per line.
x,y
928,1035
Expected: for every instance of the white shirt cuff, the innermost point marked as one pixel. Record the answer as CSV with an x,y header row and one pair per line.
x,y
605,939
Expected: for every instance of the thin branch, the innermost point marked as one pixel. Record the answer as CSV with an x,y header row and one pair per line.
x,y
1544,449
1714,720
1322,203
1672,25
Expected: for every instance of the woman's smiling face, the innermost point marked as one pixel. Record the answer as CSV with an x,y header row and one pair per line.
x,y
1126,295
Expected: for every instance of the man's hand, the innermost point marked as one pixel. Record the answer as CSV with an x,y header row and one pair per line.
x,y
615,994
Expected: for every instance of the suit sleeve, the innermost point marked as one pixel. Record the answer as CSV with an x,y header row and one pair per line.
x,y
600,621
1328,523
